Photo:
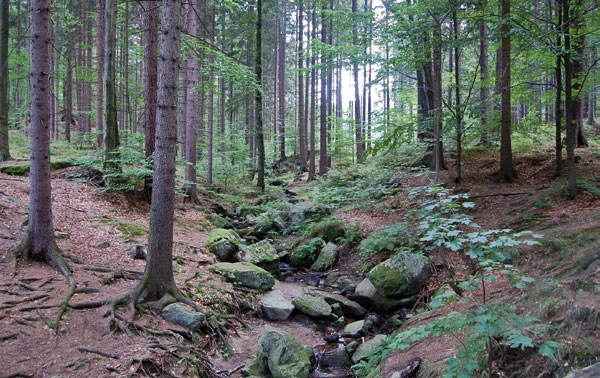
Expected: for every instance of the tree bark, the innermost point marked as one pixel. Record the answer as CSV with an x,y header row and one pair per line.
x,y
570,118
323,164
4,19
260,142
158,280
39,243
484,89
151,17
281,82
507,170
302,130
111,136
357,103
191,75
100,46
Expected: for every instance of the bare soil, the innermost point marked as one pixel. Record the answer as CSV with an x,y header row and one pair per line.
x,y
95,230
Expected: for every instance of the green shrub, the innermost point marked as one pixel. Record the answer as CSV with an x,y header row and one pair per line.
x,y
330,229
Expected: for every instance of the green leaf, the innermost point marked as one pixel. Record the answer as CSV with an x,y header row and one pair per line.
x,y
549,348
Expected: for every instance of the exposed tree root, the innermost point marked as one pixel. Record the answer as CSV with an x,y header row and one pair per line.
x,y
97,351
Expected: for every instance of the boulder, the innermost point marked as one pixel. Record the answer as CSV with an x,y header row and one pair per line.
x,y
306,253
245,274
400,276
281,355
589,372
350,308
337,358
261,225
312,305
223,243
327,258
275,306
367,295
307,211
261,254
354,330
183,316
219,221
366,348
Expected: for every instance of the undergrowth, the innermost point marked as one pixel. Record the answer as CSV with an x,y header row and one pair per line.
x,y
438,225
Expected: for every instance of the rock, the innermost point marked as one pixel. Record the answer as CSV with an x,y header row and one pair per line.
x,y
262,224
312,305
223,243
339,323
138,251
366,348
307,211
327,258
354,330
183,316
400,276
312,279
589,317
4,234
350,308
275,306
261,254
589,372
332,338
306,254
280,224
62,235
245,274
330,229
219,221
367,295
336,309
351,347
337,358
281,355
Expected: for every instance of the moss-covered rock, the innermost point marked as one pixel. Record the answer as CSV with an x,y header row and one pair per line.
x,y
329,229
281,355
327,258
245,274
261,254
312,305
218,221
400,276
306,253
223,243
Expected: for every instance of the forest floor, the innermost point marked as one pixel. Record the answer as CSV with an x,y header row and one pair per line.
x,y
95,230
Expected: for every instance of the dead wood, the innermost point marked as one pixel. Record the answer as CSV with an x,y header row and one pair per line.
x,y
26,299
97,351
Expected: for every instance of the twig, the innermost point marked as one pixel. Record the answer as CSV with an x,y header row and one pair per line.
x,y
97,351
27,299
26,287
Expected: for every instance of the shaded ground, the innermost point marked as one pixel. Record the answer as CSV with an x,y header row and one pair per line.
x,y
96,230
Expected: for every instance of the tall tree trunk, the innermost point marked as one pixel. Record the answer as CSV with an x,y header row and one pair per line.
x,y
158,281
151,16
357,103
458,107
211,102
507,170
570,117
260,142
281,81
302,130
100,46
68,86
111,136
485,106
191,75
4,145
323,164
38,242
579,70
558,108
437,99
313,101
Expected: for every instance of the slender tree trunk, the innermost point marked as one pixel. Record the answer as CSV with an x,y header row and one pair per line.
x,y
570,117
100,46
68,86
458,107
281,82
191,76
111,137
260,142
507,170
323,164
437,98
313,101
211,102
302,131
4,145
558,108
579,70
357,103
151,17
484,89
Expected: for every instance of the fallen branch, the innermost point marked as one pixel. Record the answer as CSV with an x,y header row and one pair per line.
x,y
97,351
26,299
500,194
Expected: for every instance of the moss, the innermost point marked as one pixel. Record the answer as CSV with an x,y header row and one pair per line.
x,y
330,229
386,279
16,170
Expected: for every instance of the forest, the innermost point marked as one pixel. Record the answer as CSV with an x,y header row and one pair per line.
x,y
273,188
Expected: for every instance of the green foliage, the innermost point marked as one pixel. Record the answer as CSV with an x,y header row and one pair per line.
x,y
353,235
330,229
358,187
440,223
309,250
